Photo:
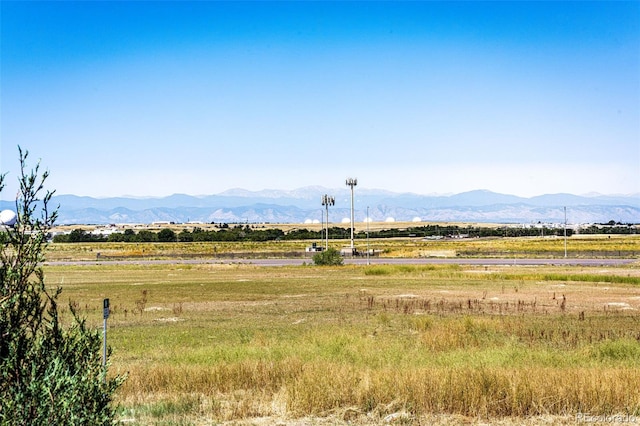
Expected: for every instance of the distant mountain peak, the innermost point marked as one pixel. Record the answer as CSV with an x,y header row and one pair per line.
x,y
236,192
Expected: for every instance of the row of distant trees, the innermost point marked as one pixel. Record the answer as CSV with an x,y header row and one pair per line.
x,y
610,227
224,233
247,233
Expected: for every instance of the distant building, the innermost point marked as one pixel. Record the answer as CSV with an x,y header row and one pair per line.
x,y
314,247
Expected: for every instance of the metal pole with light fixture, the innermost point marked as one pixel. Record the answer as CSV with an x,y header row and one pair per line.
x,y
368,220
565,232
321,225
328,201
352,182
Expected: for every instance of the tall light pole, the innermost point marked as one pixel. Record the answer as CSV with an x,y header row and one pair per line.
x,y
368,220
565,232
352,182
328,201
322,224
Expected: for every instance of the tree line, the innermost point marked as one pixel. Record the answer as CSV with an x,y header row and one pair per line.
x,y
246,233
225,232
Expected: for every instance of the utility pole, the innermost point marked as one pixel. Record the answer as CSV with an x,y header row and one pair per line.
x,y
565,232
352,182
368,220
322,225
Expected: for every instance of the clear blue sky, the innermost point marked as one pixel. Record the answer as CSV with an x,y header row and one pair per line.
x,y
150,99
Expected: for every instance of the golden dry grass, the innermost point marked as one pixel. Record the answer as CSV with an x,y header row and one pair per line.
x,y
445,344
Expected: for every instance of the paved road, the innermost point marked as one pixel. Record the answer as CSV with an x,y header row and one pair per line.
x,y
360,261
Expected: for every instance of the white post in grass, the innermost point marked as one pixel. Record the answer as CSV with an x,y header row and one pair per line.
x,y
105,315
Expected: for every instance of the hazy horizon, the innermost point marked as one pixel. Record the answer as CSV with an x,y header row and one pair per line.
x,y
156,98
358,190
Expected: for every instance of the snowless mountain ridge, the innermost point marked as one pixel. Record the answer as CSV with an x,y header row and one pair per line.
x,y
304,204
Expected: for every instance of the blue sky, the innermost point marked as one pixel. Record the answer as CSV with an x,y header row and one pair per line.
x,y
155,98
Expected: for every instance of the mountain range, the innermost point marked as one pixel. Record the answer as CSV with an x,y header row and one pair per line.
x,y
304,205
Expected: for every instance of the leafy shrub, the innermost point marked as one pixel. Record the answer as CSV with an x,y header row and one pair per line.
x,y
329,257
49,374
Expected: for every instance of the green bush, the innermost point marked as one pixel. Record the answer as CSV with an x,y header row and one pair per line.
x,y
49,374
329,257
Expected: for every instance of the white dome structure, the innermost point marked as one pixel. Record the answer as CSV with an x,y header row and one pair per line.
x,y
417,219
308,221
389,219
8,218
346,220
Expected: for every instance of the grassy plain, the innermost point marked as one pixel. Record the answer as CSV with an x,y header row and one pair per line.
x,y
207,344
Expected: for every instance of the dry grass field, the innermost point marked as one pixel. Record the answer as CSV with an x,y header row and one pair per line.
x,y
578,246
240,344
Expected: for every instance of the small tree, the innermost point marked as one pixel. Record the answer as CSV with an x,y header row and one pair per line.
x,y
49,373
329,257
145,236
167,236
